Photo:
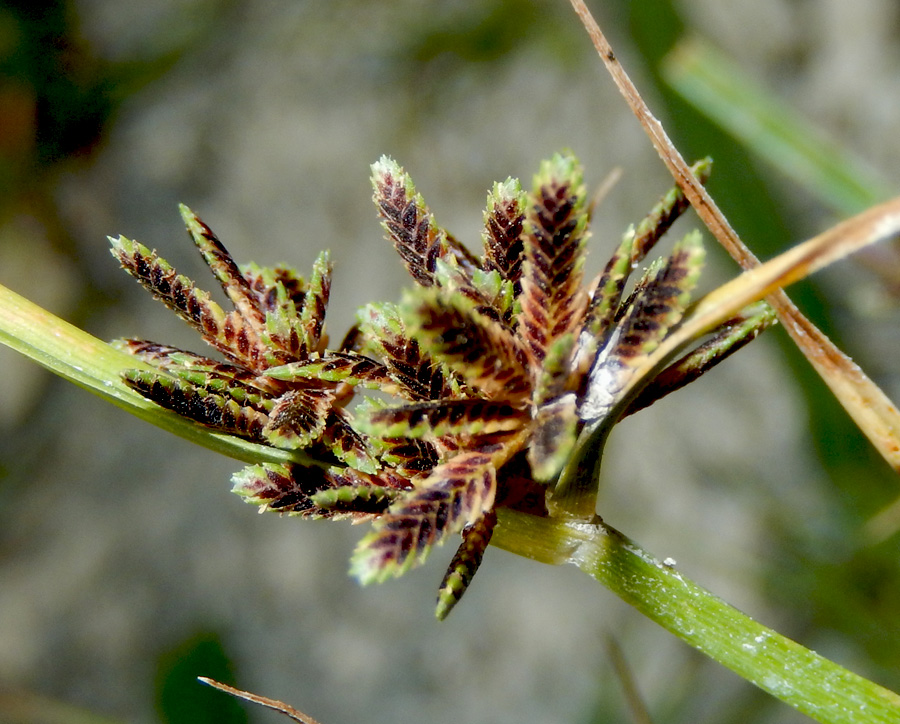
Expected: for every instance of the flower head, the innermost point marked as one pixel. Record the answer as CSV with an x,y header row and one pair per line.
x,y
505,371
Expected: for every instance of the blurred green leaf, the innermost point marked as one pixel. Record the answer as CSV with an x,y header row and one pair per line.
x,y
722,91
181,699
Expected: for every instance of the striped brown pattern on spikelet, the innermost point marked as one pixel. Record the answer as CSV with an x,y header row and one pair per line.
x,y
311,320
418,376
345,443
334,367
226,271
455,494
503,224
175,290
407,221
659,301
298,417
480,349
665,213
465,563
409,456
552,299
218,411
164,355
461,417
284,488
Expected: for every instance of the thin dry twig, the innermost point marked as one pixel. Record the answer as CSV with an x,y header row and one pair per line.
x,y
606,185
863,400
273,704
636,705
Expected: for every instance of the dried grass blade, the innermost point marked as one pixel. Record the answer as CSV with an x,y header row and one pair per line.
x,y
864,401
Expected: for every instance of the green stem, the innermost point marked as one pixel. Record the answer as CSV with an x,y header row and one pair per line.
x,y
97,366
576,492
808,682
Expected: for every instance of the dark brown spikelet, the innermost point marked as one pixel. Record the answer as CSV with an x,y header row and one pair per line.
x,y
725,341
455,494
656,305
416,374
659,300
634,247
298,417
667,210
229,333
480,349
175,290
294,312
503,224
465,563
467,418
407,221
218,411
385,478
241,384
225,270
606,298
283,488
314,492
552,299
315,303
409,456
346,443
162,355
347,367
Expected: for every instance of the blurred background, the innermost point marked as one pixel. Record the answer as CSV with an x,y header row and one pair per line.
x,y
127,567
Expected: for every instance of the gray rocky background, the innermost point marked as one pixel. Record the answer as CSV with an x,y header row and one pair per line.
x,y
118,542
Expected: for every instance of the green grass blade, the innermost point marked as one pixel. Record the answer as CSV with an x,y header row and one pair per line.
x,y
95,365
722,91
810,683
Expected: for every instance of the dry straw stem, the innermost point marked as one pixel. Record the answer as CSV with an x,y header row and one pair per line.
x,y
864,401
273,704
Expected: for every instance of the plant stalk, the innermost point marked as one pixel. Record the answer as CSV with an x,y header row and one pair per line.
x,y
96,366
810,683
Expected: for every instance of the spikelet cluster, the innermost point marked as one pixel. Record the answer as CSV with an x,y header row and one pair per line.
x,y
494,363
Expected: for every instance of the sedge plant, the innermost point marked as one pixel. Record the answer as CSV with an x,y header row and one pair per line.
x,y
475,408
